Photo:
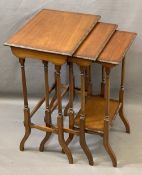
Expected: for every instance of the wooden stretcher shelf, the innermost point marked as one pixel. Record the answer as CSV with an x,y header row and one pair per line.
x,y
95,113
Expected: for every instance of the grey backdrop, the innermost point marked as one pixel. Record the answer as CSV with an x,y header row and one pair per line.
x,y
13,14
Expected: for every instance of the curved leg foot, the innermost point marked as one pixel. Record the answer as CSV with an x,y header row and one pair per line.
x,y
27,118
46,138
111,153
62,141
84,145
121,99
86,150
47,118
124,120
26,136
107,119
71,124
27,128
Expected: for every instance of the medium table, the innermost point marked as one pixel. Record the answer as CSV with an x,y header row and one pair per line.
x,y
107,46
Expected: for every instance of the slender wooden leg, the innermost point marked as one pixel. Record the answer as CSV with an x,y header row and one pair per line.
x,y
60,117
103,83
71,124
66,110
55,96
121,99
87,80
70,104
53,100
27,120
82,119
88,84
47,118
106,121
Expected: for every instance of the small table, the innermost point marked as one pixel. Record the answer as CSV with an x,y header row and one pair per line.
x,y
109,49
51,36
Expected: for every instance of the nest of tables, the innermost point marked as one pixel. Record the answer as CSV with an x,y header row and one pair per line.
x,y
74,38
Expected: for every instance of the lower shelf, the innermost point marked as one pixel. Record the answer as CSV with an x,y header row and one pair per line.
x,y
95,112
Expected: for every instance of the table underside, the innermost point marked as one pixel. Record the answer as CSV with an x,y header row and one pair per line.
x,y
95,113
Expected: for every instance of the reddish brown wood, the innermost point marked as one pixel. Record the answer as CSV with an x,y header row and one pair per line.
x,y
103,83
121,99
54,32
117,47
107,120
27,118
47,118
96,41
71,98
82,114
94,110
60,117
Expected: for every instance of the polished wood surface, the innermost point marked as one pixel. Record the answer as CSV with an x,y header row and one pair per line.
x,y
27,117
26,53
60,119
96,41
82,138
54,32
117,47
108,119
58,37
95,112
121,97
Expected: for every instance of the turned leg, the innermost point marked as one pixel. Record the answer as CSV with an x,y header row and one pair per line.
x,y
121,99
27,120
67,106
82,119
60,117
52,107
103,83
47,118
66,110
106,121
70,104
88,84
88,87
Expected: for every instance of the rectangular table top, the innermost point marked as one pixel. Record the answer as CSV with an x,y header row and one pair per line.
x,y
117,47
54,32
96,41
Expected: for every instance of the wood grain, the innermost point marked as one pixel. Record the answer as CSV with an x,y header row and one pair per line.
x,y
118,46
96,41
54,32
95,112
27,53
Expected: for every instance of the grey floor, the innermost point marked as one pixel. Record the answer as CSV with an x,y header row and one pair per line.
x,y
128,148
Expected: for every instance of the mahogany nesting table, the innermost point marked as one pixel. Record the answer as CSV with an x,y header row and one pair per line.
x,y
64,37
51,36
99,111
